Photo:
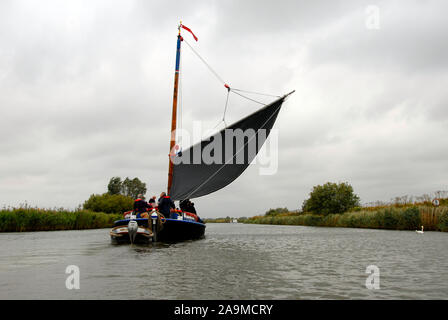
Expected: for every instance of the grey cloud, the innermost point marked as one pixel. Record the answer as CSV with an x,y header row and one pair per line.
x,y
86,89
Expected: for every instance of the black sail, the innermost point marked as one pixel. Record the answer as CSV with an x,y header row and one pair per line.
x,y
209,165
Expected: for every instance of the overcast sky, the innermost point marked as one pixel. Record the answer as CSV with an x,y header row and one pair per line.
x,y
86,94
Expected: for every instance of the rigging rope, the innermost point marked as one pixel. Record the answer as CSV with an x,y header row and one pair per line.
x,y
235,92
205,62
224,115
229,89
225,108
259,93
179,134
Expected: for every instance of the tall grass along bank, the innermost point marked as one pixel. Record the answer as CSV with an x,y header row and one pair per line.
x,y
33,219
393,218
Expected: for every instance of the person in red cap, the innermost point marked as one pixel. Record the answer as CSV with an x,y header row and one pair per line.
x,y
141,207
165,205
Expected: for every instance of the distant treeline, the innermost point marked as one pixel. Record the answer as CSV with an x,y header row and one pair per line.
x,y
393,217
216,220
225,220
34,219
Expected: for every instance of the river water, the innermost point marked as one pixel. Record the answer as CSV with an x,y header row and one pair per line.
x,y
233,261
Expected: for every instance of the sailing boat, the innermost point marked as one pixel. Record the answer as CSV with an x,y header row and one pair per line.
x,y
192,174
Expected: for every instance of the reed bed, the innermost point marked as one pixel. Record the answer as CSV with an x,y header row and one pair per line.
x,y
34,219
393,218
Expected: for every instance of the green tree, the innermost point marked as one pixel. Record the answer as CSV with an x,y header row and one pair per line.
x,y
132,188
109,203
331,198
114,186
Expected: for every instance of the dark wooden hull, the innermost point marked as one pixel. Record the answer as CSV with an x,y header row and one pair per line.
x,y
179,230
172,230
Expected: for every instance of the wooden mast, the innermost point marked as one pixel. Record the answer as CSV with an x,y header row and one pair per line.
x,y
174,114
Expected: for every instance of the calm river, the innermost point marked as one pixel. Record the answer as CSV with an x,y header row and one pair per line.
x,y
234,261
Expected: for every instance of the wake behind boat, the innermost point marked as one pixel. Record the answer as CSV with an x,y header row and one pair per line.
x,y
222,158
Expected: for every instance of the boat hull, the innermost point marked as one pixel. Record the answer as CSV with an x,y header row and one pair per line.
x,y
120,233
125,239
171,230
179,230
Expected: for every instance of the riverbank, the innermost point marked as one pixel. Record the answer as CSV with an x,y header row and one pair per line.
x,y
392,218
34,219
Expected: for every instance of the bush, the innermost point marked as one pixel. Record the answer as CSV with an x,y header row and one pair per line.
x,y
443,221
109,203
331,198
347,220
410,219
277,211
312,220
390,220
34,219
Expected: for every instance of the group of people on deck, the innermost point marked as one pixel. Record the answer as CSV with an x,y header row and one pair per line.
x,y
165,205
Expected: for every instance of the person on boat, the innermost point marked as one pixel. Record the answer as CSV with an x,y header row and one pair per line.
x,y
165,205
187,206
152,202
191,207
141,207
183,204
